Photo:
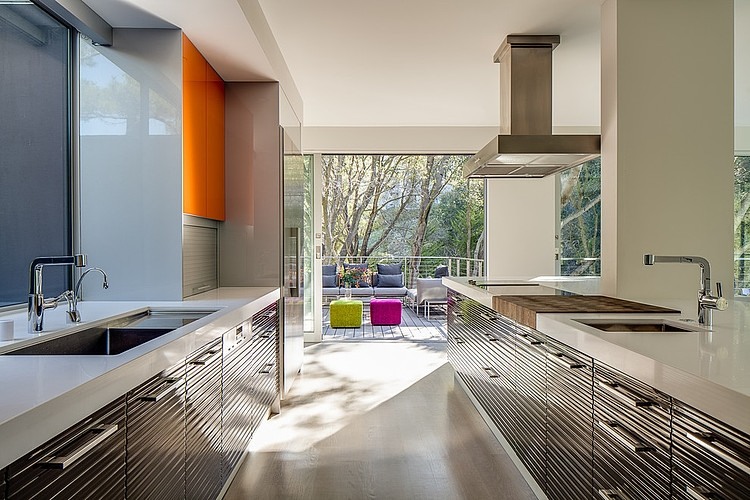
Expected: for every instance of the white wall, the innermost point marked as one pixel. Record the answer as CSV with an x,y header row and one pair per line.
x,y
667,143
131,165
521,221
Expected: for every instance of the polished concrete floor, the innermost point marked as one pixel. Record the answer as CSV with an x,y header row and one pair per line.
x,y
377,420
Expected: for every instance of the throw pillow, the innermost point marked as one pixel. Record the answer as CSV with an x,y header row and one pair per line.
x,y
386,269
390,280
330,281
329,270
441,271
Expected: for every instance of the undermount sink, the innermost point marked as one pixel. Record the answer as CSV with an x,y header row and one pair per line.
x,y
637,326
113,337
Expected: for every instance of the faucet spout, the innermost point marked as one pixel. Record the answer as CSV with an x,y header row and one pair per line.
x,y
37,304
706,301
73,313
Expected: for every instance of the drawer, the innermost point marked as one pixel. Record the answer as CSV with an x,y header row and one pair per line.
x,y
632,431
711,459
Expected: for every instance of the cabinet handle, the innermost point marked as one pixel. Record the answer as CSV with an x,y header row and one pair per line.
x,y
172,385
205,359
613,495
459,340
529,340
100,434
709,442
491,338
560,359
488,317
491,372
266,368
699,493
624,437
624,394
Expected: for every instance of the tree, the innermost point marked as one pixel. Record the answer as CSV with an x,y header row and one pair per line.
x,y
580,212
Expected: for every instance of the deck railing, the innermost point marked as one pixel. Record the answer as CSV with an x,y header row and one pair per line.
x,y
415,266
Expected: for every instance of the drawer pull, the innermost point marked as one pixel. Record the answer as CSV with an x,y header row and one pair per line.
x,y
266,368
205,359
613,495
699,493
625,395
564,361
624,437
172,385
529,340
488,317
491,372
459,340
100,434
710,443
491,338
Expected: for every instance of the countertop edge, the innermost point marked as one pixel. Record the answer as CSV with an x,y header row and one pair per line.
x,y
32,427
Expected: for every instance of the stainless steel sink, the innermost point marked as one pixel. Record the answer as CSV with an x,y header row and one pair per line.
x,y
636,325
115,336
95,341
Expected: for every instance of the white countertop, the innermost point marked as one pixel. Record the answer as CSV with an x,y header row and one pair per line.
x,y
707,369
43,395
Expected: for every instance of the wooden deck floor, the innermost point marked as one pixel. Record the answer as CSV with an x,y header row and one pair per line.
x,y
413,327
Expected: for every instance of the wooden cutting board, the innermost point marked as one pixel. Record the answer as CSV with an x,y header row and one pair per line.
x,y
524,308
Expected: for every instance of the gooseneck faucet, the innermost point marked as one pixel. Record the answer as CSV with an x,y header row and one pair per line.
x,y
73,313
706,302
37,303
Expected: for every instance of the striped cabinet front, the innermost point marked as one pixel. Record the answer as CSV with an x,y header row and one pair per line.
x,y
86,461
156,437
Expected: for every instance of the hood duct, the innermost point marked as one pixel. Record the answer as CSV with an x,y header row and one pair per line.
x,y
526,146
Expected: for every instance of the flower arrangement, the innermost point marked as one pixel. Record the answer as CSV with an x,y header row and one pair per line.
x,y
354,277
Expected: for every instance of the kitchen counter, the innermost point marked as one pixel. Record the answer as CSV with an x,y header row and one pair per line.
x,y
708,369
43,395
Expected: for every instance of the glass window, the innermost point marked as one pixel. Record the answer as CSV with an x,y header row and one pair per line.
x,y
35,199
580,220
742,225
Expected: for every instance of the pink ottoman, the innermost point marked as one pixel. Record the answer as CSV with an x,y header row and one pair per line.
x,y
385,312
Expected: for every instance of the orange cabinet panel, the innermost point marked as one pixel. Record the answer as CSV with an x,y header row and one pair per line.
x,y
214,145
202,136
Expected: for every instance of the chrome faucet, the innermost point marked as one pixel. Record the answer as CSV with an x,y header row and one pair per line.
x,y
37,303
73,314
706,302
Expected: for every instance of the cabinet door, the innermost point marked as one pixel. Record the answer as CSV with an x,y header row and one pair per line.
x,y
214,145
711,459
265,355
632,426
193,130
237,396
156,437
203,422
87,461
531,397
569,422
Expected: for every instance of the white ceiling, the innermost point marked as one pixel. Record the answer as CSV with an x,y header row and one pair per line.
x,y
391,62
387,62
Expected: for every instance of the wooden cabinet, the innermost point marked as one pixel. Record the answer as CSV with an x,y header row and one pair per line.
x,y
569,422
203,135
711,459
203,422
632,427
87,461
156,437
250,382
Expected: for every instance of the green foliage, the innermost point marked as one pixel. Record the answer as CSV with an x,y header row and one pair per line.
x,y
580,219
741,223
399,204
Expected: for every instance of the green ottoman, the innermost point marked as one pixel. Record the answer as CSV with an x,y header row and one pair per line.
x,y
346,313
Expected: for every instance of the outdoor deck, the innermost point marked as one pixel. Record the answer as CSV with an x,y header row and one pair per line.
x,y
413,327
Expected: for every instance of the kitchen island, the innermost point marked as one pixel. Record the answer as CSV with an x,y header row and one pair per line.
x,y
548,388
43,395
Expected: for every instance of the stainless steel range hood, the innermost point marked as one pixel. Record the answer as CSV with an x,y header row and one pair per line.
x,y
526,146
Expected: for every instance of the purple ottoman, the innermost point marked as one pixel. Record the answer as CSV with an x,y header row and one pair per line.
x,y
385,312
